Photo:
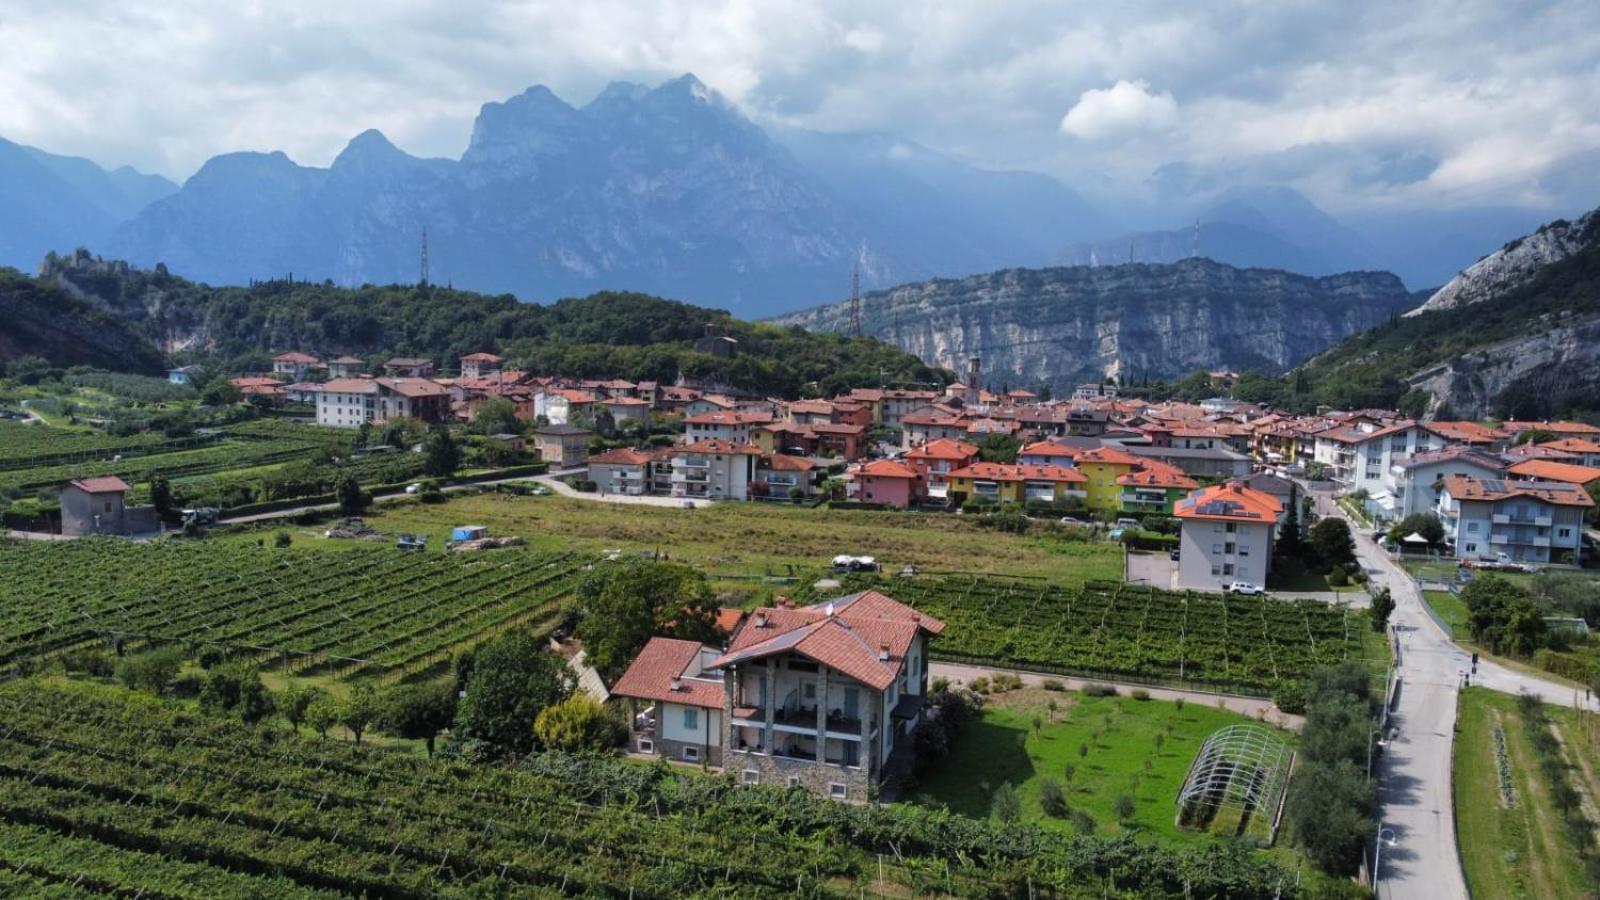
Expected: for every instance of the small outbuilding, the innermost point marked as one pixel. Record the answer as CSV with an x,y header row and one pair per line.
x,y
94,506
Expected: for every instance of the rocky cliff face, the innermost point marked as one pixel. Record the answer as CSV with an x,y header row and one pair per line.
x,y
1533,377
1512,265
1133,322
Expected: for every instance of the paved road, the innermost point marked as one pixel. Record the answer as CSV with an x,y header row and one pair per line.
x,y
1249,706
385,497
1414,771
554,482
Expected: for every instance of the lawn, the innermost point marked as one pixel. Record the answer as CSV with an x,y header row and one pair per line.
x,y
1521,849
1449,608
750,542
1111,742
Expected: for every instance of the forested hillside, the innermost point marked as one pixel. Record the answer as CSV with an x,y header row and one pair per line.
x,y
609,334
1523,348
40,318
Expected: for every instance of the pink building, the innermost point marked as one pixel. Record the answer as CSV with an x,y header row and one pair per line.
x,y
889,482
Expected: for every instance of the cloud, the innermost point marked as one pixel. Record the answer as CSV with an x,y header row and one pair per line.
x,y
1355,102
1126,107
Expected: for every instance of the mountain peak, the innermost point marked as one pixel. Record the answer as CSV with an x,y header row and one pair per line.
x,y
534,121
368,146
687,85
619,91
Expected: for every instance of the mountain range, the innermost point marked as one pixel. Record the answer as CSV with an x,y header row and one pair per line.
x,y
1135,322
671,190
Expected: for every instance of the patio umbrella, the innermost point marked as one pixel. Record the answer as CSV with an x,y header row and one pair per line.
x,y
1414,538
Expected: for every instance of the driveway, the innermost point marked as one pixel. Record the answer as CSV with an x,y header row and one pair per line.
x,y
553,482
1414,770
1154,569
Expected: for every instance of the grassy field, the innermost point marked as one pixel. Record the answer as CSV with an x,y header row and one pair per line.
x,y
749,542
1111,742
1521,850
1450,609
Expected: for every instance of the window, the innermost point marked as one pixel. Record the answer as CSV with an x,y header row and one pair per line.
x,y
751,776
811,690
646,745
1244,550
837,791
1472,528
1216,548
1227,568
794,781
1472,548
691,718
1565,532
692,754
1229,547
1231,527
1216,570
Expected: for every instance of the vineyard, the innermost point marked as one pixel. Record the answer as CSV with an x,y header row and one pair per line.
x,y
103,793
26,446
1134,632
371,610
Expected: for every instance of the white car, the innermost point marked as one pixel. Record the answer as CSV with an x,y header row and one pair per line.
x,y
1245,587
415,488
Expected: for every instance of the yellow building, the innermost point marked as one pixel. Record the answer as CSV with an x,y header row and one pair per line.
x,y
1101,467
1016,483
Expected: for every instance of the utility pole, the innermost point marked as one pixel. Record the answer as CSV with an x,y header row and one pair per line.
x,y
422,279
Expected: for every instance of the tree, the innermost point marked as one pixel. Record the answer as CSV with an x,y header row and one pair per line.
x,y
622,606
323,712
220,392
1052,799
1123,807
1501,616
150,671
998,448
1004,804
1382,608
1289,535
579,723
161,495
418,711
513,678
1331,808
1535,436
295,703
359,711
1332,542
28,369
352,499
497,415
441,457
1425,524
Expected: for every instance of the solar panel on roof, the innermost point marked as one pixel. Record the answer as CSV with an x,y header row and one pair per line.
x,y
1494,485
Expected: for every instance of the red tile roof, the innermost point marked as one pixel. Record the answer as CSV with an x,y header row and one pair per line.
x,y
1545,470
728,619
1573,445
1010,472
295,357
1108,455
414,387
663,659
1230,502
1049,448
622,456
105,484
944,448
851,634
715,446
888,468
482,357
348,386
1559,493
782,462
729,418
1158,474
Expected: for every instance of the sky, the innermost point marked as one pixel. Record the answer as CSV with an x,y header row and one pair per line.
x,y
1361,105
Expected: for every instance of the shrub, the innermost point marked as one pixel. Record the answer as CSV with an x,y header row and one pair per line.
x,y
578,723
1139,694
282,539
1082,822
1337,577
1053,684
1096,689
1052,800
1123,807
1292,697
151,671
96,663
1004,804
980,684
939,685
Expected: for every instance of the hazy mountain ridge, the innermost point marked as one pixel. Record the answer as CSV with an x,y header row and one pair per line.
x,y
1060,326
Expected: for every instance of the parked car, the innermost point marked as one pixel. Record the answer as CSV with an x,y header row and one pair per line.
x,y
1173,555
1134,524
414,488
1245,587
205,515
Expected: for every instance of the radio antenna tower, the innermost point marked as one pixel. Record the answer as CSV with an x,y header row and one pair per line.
x,y
1194,245
855,299
423,277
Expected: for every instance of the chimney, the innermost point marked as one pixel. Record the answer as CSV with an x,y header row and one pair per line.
x,y
761,620
883,653
676,684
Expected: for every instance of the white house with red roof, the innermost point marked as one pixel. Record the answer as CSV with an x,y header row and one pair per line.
x,y
294,365
1227,536
480,365
937,459
685,693
825,696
